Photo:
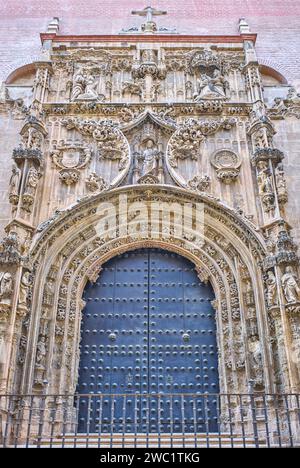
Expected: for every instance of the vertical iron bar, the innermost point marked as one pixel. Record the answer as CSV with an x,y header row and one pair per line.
x,y
41,419
206,415
195,421
285,398
29,420
100,420
240,400
265,402
182,419
88,420
124,421
135,420
230,421
53,418
171,420
64,415
254,419
8,420
277,419
18,420
219,419
159,419
112,420
148,420
77,408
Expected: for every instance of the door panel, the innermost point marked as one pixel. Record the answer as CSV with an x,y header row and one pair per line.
x,y
148,328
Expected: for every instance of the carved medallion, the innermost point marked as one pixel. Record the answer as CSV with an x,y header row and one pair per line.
x,y
227,164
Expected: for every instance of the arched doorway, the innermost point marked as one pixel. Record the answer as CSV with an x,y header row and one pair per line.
x,y
148,329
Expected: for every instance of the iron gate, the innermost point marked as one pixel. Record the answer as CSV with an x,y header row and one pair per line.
x,y
149,329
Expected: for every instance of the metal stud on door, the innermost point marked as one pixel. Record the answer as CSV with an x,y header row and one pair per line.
x,y
148,328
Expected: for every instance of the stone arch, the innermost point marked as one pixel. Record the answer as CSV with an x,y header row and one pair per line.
x,y
273,70
19,68
70,251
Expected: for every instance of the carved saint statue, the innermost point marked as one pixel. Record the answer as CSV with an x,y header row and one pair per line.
x,y
41,352
290,286
84,86
31,181
281,183
23,293
272,293
264,179
149,159
256,359
211,87
6,290
14,182
78,84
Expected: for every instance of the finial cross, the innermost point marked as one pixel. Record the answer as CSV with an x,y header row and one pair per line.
x,y
149,12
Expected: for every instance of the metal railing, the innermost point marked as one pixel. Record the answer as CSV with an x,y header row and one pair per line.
x,y
148,420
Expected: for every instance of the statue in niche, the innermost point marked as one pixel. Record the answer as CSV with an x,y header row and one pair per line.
x,y
211,87
290,286
41,353
23,293
281,184
256,360
84,86
31,181
6,290
272,293
149,159
14,182
264,179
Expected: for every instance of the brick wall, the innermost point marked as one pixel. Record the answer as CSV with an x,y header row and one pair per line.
x,y
277,23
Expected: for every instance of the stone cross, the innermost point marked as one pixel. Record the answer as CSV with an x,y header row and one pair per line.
x,y
149,12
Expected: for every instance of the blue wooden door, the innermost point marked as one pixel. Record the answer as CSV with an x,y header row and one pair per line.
x,y
148,328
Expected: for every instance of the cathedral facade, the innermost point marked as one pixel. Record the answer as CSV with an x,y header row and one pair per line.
x,y
149,260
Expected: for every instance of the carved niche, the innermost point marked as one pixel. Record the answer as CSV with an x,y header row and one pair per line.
x,y
211,83
148,142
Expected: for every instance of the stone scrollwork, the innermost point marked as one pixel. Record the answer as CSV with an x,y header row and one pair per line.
x,y
199,183
186,141
111,143
96,183
227,164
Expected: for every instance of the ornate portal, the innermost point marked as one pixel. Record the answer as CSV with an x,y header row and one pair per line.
x,y
149,232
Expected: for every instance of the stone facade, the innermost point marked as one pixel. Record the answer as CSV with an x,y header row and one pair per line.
x,y
149,115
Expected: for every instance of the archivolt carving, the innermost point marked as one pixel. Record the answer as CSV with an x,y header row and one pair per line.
x,y
76,253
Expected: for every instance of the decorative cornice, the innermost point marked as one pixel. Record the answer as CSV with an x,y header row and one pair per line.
x,y
144,38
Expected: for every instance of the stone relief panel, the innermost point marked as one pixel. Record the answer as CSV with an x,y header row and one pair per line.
x,y
86,156
144,74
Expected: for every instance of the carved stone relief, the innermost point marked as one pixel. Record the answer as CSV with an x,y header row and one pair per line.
x,y
227,165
